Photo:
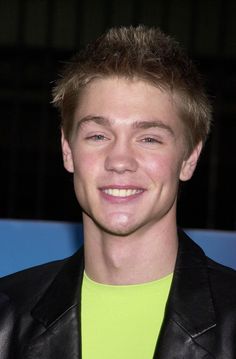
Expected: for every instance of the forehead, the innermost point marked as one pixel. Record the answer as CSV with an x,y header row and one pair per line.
x,y
125,101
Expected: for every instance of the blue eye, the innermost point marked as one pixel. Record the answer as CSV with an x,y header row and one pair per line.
x,y
97,138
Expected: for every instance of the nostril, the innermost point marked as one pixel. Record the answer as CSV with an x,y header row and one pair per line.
x,y
121,164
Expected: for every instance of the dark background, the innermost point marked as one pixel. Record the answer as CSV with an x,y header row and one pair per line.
x,y
37,36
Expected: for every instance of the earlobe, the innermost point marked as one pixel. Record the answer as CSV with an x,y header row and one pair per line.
x,y
66,153
189,165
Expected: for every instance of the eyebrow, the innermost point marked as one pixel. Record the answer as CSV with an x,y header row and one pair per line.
x,y
97,119
152,124
106,122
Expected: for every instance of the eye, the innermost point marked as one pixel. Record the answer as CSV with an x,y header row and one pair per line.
x,y
151,140
96,138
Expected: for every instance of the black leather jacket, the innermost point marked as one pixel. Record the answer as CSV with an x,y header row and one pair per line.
x,y
40,310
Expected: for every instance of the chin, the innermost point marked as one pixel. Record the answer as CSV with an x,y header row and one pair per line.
x,y
119,230
122,228
120,225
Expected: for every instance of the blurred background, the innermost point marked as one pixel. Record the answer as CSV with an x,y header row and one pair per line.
x,y
38,36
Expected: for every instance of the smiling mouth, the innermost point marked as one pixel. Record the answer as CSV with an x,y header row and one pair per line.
x,y
117,192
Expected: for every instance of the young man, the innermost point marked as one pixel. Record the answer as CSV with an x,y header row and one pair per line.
x,y
134,119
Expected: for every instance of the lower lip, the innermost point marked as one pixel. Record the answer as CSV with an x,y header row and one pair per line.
x,y
116,199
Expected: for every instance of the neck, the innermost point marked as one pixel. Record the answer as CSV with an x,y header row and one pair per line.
x,y
141,257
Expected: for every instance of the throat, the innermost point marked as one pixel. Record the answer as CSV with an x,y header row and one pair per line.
x,y
129,263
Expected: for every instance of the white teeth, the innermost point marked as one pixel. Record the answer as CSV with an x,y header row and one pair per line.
x,y
116,192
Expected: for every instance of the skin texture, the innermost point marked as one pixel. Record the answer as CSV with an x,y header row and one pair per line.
x,y
127,153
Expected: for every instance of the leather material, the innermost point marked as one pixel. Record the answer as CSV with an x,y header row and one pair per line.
x,y
40,310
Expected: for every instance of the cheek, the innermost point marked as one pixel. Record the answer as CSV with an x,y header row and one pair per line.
x,y
163,168
85,164
83,176
156,167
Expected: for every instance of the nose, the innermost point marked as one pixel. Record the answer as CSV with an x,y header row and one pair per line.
x,y
121,159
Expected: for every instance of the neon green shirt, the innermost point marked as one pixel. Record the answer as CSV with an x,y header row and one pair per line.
x,y
122,322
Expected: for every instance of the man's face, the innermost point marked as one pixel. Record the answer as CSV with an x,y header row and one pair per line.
x,y
127,153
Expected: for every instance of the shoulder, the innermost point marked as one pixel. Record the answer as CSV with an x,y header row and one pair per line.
x,y
24,289
192,255
25,292
19,292
222,284
218,270
28,285
206,273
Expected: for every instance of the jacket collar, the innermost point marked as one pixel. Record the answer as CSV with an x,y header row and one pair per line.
x,y
190,315
64,292
189,319
190,296
57,332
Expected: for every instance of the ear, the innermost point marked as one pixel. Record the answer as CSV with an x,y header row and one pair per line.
x,y
189,165
66,153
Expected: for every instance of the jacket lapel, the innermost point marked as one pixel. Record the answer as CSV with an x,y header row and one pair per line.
x,y
61,340
58,315
189,324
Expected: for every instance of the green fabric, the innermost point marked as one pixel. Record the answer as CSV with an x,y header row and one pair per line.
x,y
122,322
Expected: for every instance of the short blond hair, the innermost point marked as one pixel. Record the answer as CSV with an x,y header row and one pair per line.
x,y
144,53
